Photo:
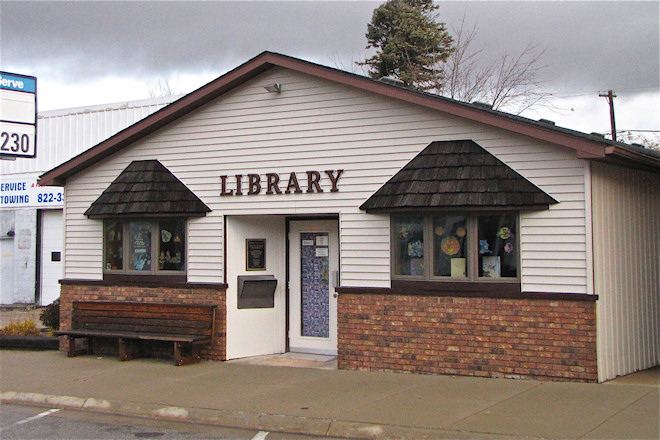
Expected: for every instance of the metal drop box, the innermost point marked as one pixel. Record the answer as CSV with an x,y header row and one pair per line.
x,y
256,291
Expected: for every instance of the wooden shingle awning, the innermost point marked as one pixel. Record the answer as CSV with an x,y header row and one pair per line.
x,y
147,189
457,175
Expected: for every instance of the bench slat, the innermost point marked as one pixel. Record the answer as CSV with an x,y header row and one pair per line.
x,y
135,335
145,314
156,321
141,328
137,306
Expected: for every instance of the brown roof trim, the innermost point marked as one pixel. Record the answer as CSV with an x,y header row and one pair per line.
x,y
586,147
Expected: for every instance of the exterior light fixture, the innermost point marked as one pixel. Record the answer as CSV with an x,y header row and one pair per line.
x,y
273,88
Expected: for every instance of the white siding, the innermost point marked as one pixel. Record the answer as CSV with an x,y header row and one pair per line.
x,y
626,226
314,124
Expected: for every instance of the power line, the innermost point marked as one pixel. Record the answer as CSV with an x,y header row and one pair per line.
x,y
560,95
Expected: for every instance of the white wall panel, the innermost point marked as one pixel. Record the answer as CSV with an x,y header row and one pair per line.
x,y
314,124
626,227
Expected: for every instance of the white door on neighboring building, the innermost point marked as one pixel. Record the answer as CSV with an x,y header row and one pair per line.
x,y
52,244
7,270
313,265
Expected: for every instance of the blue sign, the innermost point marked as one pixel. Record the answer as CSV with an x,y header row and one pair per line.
x,y
18,115
20,83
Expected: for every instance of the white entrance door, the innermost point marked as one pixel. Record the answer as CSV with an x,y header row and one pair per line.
x,y
313,265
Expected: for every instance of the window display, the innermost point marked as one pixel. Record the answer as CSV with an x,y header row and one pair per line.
x,y
172,253
142,243
449,246
463,247
114,251
498,256
409,246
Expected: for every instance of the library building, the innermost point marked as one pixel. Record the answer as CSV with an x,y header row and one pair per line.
x,y
291,207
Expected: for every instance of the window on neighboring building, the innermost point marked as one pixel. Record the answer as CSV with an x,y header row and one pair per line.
x,y
145,246
455,247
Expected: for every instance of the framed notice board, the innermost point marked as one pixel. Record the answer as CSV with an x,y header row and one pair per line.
x,y
255,254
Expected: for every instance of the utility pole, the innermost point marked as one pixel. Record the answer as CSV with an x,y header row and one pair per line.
x,y
610,100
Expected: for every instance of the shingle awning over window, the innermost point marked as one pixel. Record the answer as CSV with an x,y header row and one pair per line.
x,y
457,175
147,189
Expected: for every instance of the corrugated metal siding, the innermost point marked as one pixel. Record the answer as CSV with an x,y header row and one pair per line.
x,y
63,134
626,227
318,125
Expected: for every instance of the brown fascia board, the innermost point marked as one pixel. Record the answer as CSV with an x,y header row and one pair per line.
x,y
586,149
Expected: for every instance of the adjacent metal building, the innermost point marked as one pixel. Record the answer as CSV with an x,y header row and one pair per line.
x,y
31,217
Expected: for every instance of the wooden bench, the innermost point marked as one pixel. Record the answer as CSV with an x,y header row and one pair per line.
x,y
187,326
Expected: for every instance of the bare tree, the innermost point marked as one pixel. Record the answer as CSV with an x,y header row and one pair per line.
x,y
161,88
516,81
650,140
465,78
513,82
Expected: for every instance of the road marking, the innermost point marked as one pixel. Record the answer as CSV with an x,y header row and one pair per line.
x,y
29,419
261,435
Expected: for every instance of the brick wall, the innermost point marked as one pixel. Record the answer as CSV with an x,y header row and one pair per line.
x,y
489,337
192,294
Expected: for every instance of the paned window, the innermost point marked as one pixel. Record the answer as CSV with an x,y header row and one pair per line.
x,y
450,246
409,246
145,246
455,247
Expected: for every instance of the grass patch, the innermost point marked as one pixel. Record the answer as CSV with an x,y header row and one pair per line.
x,y
23,328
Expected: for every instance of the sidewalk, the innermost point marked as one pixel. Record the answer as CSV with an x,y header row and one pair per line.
x,y
324,402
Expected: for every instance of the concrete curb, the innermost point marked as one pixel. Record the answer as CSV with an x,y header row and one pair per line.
x,y
241,419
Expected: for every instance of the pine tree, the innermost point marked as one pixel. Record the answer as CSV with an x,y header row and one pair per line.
x,y
411,46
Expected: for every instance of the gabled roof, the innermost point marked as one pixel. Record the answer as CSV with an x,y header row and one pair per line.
x,y
456,175
587,146
147,188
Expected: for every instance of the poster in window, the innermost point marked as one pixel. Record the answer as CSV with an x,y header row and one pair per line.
x,y
490,266
458,268
255,253
140,245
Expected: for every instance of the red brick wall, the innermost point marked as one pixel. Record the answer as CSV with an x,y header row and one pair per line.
x,y
489,337
196,294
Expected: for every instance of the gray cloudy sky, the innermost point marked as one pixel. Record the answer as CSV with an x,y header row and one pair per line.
x,y
92,52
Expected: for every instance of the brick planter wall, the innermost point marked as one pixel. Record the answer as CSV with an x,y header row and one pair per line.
x,y
475,336
183,293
